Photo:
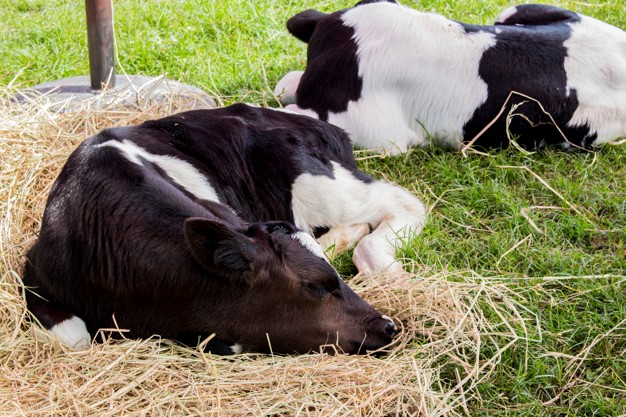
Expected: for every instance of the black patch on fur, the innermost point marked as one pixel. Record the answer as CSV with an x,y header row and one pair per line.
x,y
112,241
528,60
242,149
331,61
362,2
320,231
539,14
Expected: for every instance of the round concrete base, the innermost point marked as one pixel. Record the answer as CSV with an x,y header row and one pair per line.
x,y
130,91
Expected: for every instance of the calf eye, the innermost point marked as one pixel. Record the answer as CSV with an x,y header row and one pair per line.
x,y
317,290
321,291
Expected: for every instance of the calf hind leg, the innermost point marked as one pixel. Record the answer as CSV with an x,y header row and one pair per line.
x,y
343,200
69,329
342,238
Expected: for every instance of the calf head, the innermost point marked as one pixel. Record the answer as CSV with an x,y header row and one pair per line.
x,y
284,295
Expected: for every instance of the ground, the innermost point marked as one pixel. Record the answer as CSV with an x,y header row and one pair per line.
x,y
517,306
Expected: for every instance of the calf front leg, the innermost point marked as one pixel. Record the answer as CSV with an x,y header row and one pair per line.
x,y
343,200
286,88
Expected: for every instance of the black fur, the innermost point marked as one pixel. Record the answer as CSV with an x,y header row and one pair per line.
x,y
332,61
304,23
122,244
527,59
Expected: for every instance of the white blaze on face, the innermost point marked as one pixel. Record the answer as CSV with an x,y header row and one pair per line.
x,y
395,328
311,244
384,317
181,172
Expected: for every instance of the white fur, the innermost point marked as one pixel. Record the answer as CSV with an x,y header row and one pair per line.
x,y
236,348
596,69
421,81
507,13
409,62
181,172
293,108
393,212
308,242
286,88
72,333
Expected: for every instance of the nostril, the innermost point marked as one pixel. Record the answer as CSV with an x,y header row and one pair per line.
x,y
391,329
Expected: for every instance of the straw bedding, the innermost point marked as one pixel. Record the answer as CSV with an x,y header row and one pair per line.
x,y
447,346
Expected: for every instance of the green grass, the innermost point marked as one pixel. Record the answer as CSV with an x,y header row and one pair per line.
x,y
477,225
498,217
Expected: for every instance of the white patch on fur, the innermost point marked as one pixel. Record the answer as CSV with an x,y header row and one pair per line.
x,y
596,69
293,108
506,14
286,110
181,172
286,88
308,242
393,212
73,333
413,85
236,348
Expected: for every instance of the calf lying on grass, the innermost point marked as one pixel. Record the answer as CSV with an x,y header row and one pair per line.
x,y
394,77
199,223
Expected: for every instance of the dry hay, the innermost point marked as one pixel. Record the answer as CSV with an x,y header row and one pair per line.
x,y
454,330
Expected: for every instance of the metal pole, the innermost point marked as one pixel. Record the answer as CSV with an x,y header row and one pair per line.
x,y
100,37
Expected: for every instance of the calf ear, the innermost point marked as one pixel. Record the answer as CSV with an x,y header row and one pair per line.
x,y
303,24
220,249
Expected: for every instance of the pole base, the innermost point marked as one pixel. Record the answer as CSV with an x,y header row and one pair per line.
x,y
130,91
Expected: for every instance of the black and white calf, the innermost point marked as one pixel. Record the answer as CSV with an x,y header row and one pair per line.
x,y
201,223
394,77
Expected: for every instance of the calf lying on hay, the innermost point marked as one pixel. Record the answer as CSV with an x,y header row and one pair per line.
x,y
199,223
442,324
